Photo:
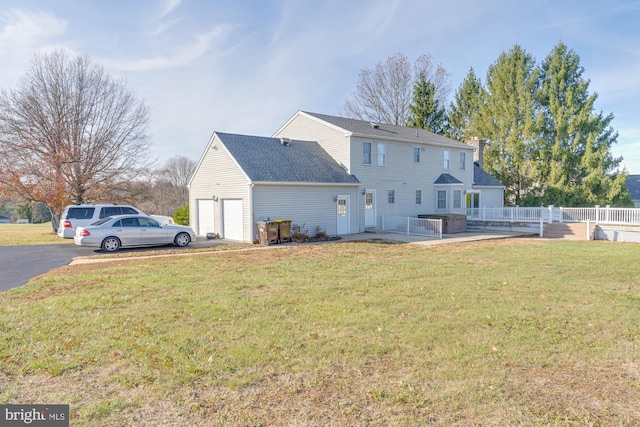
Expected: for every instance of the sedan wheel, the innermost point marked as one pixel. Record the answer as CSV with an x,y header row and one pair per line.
x,y
110,244
182,240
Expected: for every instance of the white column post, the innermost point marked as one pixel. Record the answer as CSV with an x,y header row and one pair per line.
x,y
541,226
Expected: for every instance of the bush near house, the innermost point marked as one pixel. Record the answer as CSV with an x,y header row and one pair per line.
x,y
181,215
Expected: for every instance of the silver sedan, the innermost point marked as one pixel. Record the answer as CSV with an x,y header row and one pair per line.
x,y
121,231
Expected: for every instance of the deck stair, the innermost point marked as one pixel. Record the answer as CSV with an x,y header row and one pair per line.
x,y
568,231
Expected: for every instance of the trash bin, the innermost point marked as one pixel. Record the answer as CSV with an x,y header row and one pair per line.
x,y
284,230
267,232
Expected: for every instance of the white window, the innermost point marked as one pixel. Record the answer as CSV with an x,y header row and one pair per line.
x,y
446,159
382,154
366,153
441,200
418,197
416,154
392,197
463,161
457,199
342,207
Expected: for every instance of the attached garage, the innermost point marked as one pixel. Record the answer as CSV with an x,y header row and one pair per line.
x,y
243,179
205,217
232,220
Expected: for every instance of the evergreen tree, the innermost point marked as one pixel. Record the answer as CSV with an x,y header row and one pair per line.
x,y
508,118
573,158
465,108
424,109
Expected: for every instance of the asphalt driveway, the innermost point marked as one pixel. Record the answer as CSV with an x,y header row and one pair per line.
x,y
19,264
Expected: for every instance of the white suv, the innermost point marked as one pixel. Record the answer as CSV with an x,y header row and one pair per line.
x,y
85,214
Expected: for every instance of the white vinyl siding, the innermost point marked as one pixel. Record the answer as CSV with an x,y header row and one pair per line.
x,y
333,140
401,172
308,206
219,177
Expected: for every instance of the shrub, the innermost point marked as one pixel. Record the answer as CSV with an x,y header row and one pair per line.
x,y
181,215
299,233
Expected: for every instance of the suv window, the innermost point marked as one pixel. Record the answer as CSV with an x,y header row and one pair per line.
x,y
109,211
80,213
117,210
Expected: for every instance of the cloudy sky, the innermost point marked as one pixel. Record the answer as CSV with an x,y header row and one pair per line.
x,y
248,66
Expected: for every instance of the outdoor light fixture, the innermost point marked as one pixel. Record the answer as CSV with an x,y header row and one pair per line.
x,y
215,198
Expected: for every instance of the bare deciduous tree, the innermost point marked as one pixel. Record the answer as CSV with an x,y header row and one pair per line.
x,y
70,133
168,187
384,94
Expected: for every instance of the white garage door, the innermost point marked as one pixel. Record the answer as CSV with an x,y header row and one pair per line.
x,y
232,220
205,217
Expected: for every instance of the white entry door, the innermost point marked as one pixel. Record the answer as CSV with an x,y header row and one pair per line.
x,y
205,217
343,214
370,208
232,220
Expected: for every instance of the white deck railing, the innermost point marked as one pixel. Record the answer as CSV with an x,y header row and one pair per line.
x,y
508,214
597,214
416,226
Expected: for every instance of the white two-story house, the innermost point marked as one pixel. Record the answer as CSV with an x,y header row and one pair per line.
x,y
370,172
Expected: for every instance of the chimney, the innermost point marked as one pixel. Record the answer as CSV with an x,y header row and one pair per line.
x,y
478,150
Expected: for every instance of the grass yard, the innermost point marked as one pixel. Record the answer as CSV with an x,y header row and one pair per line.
x,y
29,234
511,332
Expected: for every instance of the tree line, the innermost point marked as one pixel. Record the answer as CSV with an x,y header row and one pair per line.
x,y
545,140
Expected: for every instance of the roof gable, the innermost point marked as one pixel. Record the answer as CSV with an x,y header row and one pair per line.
x,y
633,184
385,131
483,179
266,159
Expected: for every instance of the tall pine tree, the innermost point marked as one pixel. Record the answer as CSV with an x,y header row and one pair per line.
x,y
465,109
424,110
573,159
507,119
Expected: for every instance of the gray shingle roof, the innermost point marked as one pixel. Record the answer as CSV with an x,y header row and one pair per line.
x,y
482,178
266,159
365,128
633,184
445,178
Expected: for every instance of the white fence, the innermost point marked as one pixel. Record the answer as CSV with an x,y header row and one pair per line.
x,y
508,214
597,214
408,225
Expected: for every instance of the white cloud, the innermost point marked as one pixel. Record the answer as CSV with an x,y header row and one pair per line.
x,y
184,56
168,6
22,28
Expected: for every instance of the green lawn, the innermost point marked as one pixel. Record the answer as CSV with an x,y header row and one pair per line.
x,y
513,332
29,234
